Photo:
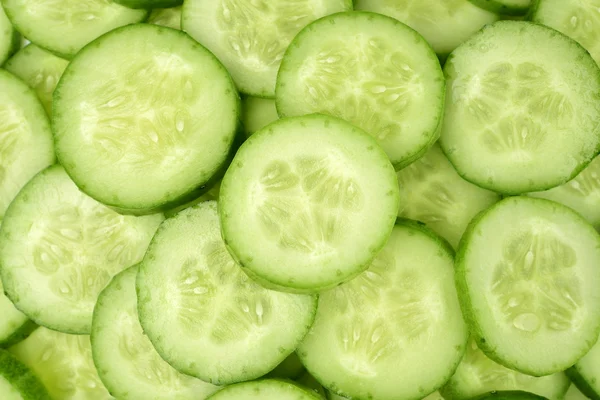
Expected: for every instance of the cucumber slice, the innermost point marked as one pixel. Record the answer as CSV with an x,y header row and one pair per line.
x,y
432,192
510,395
290,368
575,18
265,389
574,394
444,24
14,325
508,7
522,108
585,374
59,248
26,144
582,193
10,40
65,26
307,203
155,124
257,113
400,318
203,314
40,69
527,273
372,71
169,17
17,382
126,361
63,363
250,37
477,375
149,4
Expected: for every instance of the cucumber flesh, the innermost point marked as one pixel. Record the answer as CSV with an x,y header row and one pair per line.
x,y
169,17
17,382
265,389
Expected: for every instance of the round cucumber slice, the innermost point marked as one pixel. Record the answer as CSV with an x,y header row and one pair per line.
x,y
65,26
307,203
399,318
521,118
203,315
582,193
432,192
26,144
575,18
63,363
250,37
126,361
169,17
149,4
40,69
156,122
507,7
477,375
257,113
265,389
372,71
59,248
527,274
17,382
444,24
10,40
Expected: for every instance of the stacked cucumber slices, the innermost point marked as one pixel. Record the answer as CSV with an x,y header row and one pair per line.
x,y
299,199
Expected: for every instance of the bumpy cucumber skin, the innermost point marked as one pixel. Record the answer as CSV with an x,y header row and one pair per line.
x,y
584,387
499,8
149,4
20,334
21,378
462,288
509,395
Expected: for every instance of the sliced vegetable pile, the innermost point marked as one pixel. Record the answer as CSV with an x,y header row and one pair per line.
x,y
299,199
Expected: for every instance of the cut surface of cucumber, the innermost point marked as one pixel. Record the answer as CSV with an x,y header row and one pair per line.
x,y
477,375
432,192
155,124
149,4
522,108
444,24
307,203
9,38
257,112
577,19
582,193
585,374
372,71
507,7
389,322
250,37
59,248
169,17
26,144
63,363
14,325
203,314
265,389
65,26
126,361
17,382
527,275
39,69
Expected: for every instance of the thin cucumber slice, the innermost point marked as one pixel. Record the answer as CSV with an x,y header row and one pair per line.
x,y
265,389
14,325
507,7
400,318
10,40
156,122
527,274
372,71
577,19
257,113
574,394
65,26
290,368
59,248
585,374
169,17
203,314
522,108
444,24
432,192
63,363
126,361
510,395
477,375
250,37
40,69
17,382
307,203
582,193
149,4
26,144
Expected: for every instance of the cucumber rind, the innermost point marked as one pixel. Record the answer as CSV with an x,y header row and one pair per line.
x,y
19,334
21,378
